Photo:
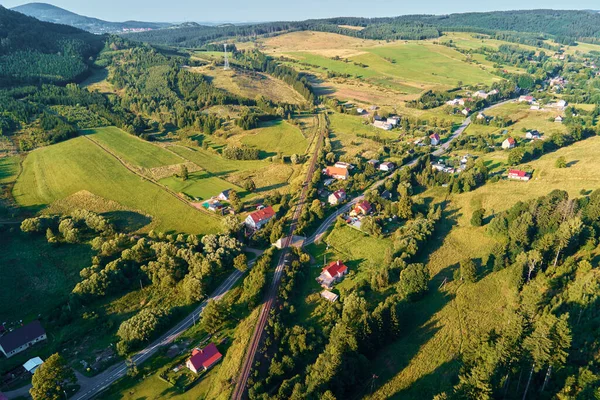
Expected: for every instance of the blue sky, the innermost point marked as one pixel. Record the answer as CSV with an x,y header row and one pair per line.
x,y
269,10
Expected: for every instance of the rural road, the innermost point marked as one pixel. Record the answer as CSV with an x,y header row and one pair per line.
x,y
90,387
322,229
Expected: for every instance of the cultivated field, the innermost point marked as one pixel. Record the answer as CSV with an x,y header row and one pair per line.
x,y
55,172
200,185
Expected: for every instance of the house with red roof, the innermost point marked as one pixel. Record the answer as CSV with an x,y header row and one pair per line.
x,y
363,207
336,172
337,197
435,139
332,273
203,359
518,175
259,218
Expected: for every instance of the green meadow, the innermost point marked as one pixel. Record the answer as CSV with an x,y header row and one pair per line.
x,y
58,171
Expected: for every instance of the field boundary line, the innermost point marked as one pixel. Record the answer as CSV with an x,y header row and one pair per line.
x,y
166,189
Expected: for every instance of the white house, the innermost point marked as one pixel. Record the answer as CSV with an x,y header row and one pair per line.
x,y
558,119
22,338
387,166
509,143
435,139
532,135
337,197
332,273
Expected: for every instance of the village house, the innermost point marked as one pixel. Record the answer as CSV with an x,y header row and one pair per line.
x,y
336,172
360,111
387,166
259,218
22,338
526,99
203,359
509,143
330,296
386,195
438,166
519,175
363,207
559,119
382,125
493,92
481,116
533,135
332,273
481,94
456,102
393,121
466,112
337,197
435,139
224,195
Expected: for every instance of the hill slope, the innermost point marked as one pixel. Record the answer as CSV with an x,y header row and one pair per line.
x,y
49,13
32,51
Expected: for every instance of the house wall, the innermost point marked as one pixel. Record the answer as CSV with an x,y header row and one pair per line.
x,y
23,347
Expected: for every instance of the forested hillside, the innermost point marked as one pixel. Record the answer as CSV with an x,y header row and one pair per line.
x,y
565,26
32,51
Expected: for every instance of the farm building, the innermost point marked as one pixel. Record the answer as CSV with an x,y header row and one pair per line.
x,y
374,163
33,364
341,164
509,143
393,121
203,359
259,218
332,273
481,94
435,139
519,175
22,338
336,172
387,166
337,197
213,205
332,297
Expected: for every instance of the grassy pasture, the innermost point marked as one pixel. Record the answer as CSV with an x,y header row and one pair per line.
x,y
362,253
250,84
39,279
9,169
60,170
132,149
424,360
273,137
201,185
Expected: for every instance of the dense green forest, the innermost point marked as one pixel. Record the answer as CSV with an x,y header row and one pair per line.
x,y
32,51
563,26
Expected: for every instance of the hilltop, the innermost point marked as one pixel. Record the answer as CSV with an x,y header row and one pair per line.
x,y
50,13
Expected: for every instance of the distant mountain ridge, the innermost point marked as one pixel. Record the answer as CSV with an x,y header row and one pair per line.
x,y
50,13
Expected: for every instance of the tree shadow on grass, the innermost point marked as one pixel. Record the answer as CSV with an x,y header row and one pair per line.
x,y
127,221
442,379
418,327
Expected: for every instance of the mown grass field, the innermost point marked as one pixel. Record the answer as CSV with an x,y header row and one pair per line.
x,y
60,170
267,176
201,185
424,361
250,84
9,169
132,149
273,137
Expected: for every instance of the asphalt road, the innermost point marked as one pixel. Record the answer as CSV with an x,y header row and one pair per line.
x,y
90,387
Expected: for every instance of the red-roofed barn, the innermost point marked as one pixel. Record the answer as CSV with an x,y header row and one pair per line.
x,y
201,360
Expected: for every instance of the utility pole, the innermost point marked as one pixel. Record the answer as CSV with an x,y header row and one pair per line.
x,y
226,66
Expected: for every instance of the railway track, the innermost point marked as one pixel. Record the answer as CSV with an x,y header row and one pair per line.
x,y
255,341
